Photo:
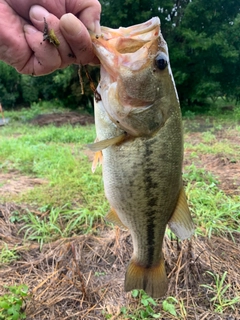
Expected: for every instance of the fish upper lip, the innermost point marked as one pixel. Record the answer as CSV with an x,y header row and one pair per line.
x,y
139,29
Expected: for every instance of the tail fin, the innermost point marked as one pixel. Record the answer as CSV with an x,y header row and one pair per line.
x,y
152,280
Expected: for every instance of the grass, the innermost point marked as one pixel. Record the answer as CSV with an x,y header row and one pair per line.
x,y
207,200
49,153
7,255
218,293
72,199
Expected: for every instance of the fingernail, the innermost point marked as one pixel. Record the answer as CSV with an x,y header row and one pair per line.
x,y
29,29
71,24
95,27
38,13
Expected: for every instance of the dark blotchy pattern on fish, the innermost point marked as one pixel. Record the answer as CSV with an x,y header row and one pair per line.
x,y
142,174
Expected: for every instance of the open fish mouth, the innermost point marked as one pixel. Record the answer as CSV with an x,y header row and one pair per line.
x,y
134,65
127,47
140,145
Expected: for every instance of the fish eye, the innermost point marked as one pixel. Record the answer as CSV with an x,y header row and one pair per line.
x,y
161,61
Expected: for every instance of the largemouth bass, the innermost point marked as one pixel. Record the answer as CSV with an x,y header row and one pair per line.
x,y
140,143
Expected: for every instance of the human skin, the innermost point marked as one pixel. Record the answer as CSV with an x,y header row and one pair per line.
x,y
21,33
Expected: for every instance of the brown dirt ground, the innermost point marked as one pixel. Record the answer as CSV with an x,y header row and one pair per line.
x,y
82,277
15,183
225,168
79,277
61,118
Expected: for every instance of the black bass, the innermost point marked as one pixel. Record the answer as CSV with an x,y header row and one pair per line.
x,y
140,143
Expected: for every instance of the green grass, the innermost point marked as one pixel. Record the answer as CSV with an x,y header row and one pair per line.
x,y
214,148
218,292
36,109
7,255
74,197
214,211
72,200
49,153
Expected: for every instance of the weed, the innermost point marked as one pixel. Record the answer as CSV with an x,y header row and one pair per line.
x,y
7,255
195,174
208,201
169,305
218,290
26,114
15,217
42,229
208,137
99,274
189,114
53,223
11,304
145,308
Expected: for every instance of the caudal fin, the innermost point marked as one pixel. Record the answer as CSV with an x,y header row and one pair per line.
x,y
152,280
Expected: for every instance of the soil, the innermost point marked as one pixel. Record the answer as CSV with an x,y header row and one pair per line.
x,y
224,167
62,118
82,277
15,183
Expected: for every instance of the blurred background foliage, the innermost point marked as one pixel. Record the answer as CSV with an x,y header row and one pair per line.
x,y
204,44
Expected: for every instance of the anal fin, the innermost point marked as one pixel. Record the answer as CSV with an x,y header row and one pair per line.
x,y
114,218
181,222
153,280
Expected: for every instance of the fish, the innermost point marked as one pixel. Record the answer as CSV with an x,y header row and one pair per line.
x,y
140,145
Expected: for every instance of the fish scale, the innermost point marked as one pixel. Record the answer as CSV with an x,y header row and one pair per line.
x,y
141,148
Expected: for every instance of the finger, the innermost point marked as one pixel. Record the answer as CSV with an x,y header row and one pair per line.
x,y
12,38
78,39
87,11
45,58
51,23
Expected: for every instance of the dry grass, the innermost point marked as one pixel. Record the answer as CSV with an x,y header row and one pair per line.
x,y
82,277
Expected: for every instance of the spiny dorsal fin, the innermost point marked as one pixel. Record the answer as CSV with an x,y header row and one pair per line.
x,y
114,218
181,221
103,144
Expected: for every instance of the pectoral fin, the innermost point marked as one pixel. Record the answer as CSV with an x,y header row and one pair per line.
x,y
181,221
113,218
100,145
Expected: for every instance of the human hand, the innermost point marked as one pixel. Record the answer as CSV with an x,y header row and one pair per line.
x,y
21,33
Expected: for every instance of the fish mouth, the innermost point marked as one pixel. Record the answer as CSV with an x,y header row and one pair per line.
x,y
129,47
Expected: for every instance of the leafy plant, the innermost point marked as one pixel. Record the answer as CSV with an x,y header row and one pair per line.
x,y
169,305
11,304
218,291
145,308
